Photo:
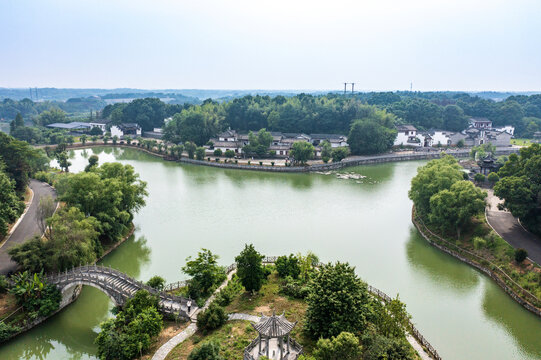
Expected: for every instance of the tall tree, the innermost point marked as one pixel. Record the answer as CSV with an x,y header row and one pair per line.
x,y
250,269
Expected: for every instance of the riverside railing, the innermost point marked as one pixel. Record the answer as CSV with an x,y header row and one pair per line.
x,y
483,264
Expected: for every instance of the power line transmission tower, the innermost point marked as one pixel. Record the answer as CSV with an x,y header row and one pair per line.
x,y
352,88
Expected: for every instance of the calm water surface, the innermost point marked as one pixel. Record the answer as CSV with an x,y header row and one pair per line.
x,y
460,311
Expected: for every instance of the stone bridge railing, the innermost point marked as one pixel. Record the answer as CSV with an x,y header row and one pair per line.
x,y
120,287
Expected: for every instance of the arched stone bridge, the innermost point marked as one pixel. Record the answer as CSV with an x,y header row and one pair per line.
x,y
119,287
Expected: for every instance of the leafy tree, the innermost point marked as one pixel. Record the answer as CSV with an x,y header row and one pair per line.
x,y
493,177
94,138
156,282
18,122
229,154
92,162
212,318
326,151
250,268
339,153
205,273
258,143
190,149
372,134
391,319
133,329
52,116
10,205
218,152
302,151
95,131
389,348
520,255
479,178
454,208
288,266
83,138
520,186
460,144
63,160
196,124
345,346
206,351
338,301
200,153
454,119
435,176
115,139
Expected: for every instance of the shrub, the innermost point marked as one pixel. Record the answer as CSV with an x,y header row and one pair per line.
x,y
261,163
520,255
479,177
206,351
4,286
218,152
294,288
200,153
249,162
344,347
212,318
6,330
479,243
229,154
217,160
208,159
156,282
272,163
226,295
388,348
288,266
43,176
493,177
325,159
460,144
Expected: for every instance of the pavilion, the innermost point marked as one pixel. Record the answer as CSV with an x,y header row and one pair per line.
x,y
273,340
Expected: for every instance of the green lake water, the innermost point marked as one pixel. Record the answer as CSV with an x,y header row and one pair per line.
x,y
367,223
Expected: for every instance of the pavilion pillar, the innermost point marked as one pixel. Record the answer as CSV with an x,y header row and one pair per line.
x,y
280,345
259,344
288,344
268,346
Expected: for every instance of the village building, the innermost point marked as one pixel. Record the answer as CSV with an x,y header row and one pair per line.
x,y
126,129
480,123
71,126
101,124
273,340
281,142
537,137
407,136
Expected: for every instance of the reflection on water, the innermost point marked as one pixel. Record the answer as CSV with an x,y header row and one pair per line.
x,y
438,266
367,223
513,318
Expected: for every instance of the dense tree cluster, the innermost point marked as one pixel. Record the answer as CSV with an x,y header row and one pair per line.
x,y
520,186
10,204
442,196
36,296
133,329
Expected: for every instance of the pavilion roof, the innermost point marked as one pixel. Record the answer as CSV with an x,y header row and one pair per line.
x,y
274,326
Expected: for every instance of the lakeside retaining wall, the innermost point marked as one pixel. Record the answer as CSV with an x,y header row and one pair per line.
x,y
354,161
526,304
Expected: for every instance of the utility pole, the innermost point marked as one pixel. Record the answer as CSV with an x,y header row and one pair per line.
x,y
352,88
345,85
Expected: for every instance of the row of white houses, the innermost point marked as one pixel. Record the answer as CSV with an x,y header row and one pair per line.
x,y
479,132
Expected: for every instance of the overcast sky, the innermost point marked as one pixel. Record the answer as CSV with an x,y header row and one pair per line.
x,y
272,44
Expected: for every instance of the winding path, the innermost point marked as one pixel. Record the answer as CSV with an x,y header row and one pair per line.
x,y
509,228
27,226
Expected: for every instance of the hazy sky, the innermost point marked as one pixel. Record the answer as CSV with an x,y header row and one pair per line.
x,y
272,44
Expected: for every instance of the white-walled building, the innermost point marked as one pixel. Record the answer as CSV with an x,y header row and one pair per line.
x,y
126,129
507,128
407,136
101,124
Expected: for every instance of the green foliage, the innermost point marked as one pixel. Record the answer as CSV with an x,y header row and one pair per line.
x,y
493,177
206,351
34,294
229,154
454,119
52,116
258,143
218,152
392,318
520,186
4,286
212,318
479,178
7,330
435,176
156,282
205,274
460,144
71,240
454,208
302,151
373,133
133,329
190,148
20,160
339,153
479,243
200,153
288,266
520,255
92,162
250,268
227,294
10,205
110,193
295,288
382,347
196,124
338,301
345,346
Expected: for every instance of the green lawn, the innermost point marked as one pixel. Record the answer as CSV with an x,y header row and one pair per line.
x,y
521,142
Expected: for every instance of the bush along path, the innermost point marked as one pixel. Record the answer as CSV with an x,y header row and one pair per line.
x,y
423,348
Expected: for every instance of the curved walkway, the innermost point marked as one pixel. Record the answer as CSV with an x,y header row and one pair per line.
x,y
27,227
510,229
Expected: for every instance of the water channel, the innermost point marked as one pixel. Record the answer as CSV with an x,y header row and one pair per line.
x,y
365,222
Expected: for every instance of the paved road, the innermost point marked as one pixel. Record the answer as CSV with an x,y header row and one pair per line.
x,y
508,227
27,228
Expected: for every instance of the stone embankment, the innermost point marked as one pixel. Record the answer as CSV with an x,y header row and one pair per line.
x,y
523,297
351,161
